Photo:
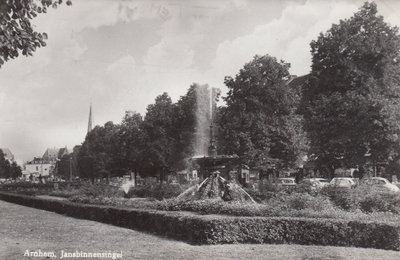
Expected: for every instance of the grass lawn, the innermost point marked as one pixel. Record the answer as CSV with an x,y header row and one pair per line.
x,y
28,228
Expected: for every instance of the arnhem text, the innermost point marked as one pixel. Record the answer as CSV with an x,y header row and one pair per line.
x,y
76,254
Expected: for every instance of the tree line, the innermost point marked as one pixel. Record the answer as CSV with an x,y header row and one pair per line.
x,y
346,110
8,169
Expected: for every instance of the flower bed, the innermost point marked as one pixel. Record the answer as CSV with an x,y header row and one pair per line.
x,y
213,229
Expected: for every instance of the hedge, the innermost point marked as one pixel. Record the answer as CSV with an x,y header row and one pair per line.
x,y
218,229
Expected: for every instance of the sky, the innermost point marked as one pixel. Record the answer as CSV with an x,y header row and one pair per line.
x,y
121,54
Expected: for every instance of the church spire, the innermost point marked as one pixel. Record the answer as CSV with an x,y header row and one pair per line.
x,y
90,119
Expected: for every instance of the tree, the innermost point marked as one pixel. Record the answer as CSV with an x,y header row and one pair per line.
x,y
260,122
4,166
99,156
158,137
16,31
66,167
131,142
352,100
9,169
15,171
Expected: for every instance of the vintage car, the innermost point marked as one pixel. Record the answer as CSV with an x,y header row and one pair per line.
x,y
285,182
380,183
314,184
343,182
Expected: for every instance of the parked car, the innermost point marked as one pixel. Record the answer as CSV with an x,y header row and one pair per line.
x,y
380,183
314,184
343,182
286,182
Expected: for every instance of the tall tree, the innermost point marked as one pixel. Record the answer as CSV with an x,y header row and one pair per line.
x,y
9,169
66,167
260,122
15,171
4,166
99,156
158,137
351,103
184,124
16,31
131,141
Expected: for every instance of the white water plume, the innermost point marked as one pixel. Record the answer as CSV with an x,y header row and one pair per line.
x,y
205,100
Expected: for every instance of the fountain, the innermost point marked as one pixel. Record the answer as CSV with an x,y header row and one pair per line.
x,y
219,172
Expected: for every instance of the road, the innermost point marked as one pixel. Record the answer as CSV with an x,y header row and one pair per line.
x,y
25,230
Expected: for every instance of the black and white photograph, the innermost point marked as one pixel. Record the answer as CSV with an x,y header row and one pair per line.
x,y
199,129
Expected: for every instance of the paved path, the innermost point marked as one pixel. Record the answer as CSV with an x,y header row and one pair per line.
x,y
23,228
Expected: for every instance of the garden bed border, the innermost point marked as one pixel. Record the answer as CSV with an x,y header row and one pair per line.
x,y
219,229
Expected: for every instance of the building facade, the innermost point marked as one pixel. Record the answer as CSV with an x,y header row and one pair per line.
x,y
44,166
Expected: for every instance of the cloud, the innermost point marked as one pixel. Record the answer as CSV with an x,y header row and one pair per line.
x,y
123,65
286,38
170,53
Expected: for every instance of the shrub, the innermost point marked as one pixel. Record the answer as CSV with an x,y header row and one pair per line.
x,y
157,191
381,202
345,198
65,192
260,196
99,190
268,186
365,198
27,188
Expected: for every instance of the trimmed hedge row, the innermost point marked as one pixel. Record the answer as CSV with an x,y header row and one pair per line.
x,y
216,229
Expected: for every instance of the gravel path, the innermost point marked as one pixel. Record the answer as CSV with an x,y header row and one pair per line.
x,y
24,228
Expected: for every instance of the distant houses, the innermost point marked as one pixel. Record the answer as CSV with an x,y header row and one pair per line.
x,y
44,166
54,154
38,167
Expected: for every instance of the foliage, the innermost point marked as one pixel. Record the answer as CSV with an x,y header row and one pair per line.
x,y
27,188
160,143
158,136
156,191
66,167
99,189
16,31
381,202
226,229
260,122
170,130
351,102
342,197
363,198
130,138
7,169
100,154
330,204
66,192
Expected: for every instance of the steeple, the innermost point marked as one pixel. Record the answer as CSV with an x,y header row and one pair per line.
x,y
90,119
